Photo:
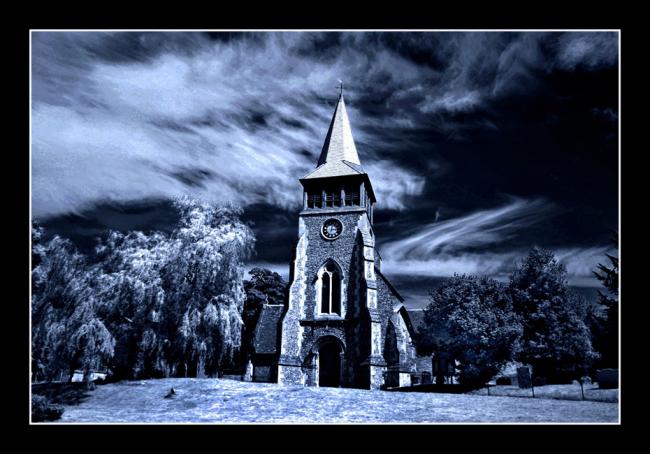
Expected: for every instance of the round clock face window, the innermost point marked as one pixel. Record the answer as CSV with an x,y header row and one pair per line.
x,y
332,228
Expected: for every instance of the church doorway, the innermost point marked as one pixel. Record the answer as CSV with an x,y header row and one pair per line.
x,y
329,367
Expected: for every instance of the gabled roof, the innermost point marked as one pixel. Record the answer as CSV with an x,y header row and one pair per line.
x,y
417,318
339,155
392,289
266,331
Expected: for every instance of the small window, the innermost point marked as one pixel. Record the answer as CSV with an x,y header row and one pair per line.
x,y
352,198
336,199
314,200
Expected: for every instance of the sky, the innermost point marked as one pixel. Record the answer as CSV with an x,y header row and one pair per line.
x,y
479,145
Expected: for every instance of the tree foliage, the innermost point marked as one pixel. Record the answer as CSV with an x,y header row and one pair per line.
x,y
151,304
535,319
605,328
471,319
264,286
556,341
67,333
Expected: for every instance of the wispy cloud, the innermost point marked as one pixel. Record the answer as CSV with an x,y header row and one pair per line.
x,y
126,116
446,265
470,244
453,246
581,262
247,116
482,228
589,49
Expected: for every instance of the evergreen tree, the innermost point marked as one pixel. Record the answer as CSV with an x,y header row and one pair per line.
x,y
556,340
606,331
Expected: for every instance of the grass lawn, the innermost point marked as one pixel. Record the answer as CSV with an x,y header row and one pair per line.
x,y
566,392
229,401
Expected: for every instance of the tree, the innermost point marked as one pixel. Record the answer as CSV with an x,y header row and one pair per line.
x,y
149,305
265,286
204,284
132,297
556,340
67,333
471,319
606,328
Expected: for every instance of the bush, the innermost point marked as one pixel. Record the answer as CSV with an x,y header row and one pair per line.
x,y
504,381
44,410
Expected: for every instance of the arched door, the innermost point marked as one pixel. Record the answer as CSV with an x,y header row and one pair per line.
x,y
329,367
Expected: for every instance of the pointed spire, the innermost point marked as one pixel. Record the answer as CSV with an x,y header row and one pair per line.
x,y
339,155
339,144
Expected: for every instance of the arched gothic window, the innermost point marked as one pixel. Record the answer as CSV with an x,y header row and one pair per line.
x,y
330,301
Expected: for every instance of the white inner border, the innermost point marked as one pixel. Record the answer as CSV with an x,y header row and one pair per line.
x,y
467,30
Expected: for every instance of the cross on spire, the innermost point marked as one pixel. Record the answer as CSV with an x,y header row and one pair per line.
x,y
340,88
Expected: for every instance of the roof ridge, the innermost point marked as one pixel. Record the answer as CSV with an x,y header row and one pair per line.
x,y
353,165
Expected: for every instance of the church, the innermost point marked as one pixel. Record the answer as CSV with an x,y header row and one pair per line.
x,y
344,324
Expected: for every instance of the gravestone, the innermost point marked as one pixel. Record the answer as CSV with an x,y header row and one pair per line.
x,y
523,377
248,375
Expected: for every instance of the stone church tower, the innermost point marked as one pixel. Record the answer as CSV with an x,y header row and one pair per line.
x,y
345,324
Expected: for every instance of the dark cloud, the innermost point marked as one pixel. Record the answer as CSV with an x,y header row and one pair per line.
x,y
86,227
452,127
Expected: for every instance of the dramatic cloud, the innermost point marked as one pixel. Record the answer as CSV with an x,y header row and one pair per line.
x,y
122,116
458,245
483,228
232,122
446,124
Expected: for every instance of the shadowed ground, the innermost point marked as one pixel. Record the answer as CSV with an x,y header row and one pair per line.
x,y
228,401
63,393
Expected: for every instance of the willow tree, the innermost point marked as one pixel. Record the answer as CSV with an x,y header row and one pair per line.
x,y
151,304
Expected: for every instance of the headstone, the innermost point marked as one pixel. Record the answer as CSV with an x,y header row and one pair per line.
x,y
523,377
248,375
586,380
